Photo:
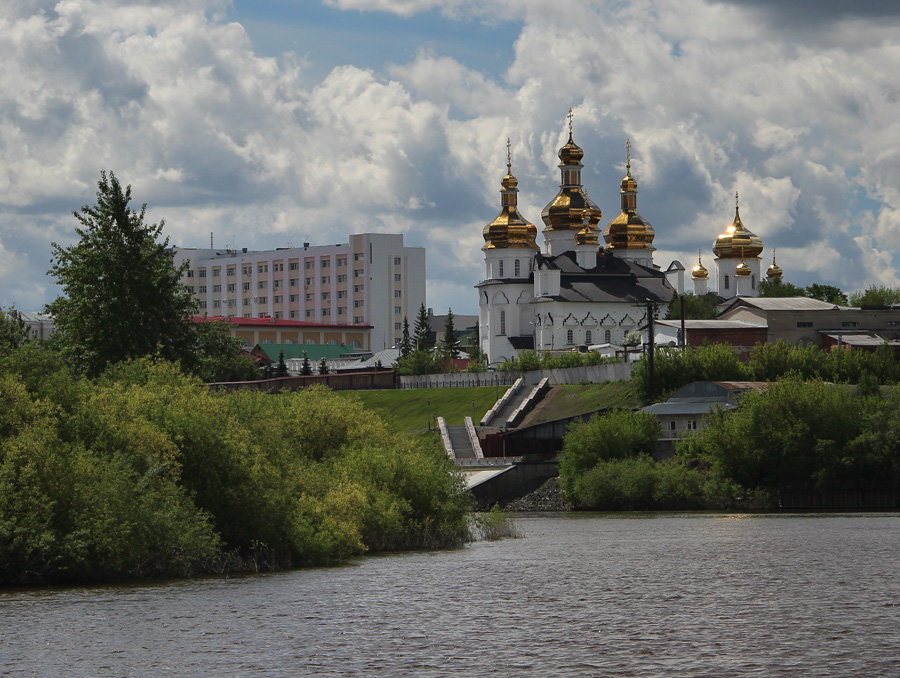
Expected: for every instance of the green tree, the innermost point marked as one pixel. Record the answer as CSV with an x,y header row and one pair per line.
x,y
13,331
220,357
450,344
323,366
405,342
702,307
422,330
306,368
779,288
829,293
281,369
876,295
122,295
419,362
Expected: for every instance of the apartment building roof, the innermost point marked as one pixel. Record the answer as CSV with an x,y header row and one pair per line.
x,y
276,322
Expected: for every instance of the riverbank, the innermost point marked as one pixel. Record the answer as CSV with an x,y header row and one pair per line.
x,y
548,497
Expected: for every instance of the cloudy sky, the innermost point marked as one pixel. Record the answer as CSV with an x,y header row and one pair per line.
x,y
275,122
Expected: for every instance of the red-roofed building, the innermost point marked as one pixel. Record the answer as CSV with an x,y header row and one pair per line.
x,y
255,331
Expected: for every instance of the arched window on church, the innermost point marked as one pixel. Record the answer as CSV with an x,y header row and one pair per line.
x,y
501,270
517,269
752,282
587,337
726,282
607,336
502,323
570,337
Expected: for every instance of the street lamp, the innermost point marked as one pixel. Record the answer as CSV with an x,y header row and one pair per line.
x,y
429,414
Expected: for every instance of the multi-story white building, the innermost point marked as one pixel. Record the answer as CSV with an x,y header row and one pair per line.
x,y
371,280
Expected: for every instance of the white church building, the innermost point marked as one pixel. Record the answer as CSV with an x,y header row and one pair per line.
x,y
575,292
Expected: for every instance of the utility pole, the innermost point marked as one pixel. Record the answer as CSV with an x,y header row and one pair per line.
x,y
683,332
651,346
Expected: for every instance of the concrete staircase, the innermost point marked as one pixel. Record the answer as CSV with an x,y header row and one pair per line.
x,y
460,443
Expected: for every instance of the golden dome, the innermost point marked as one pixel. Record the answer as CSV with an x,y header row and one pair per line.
x,y
742,269
509,229
566,211
737,241
699,270
774,271
629,230
588,234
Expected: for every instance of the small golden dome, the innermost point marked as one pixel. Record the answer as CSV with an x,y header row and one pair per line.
x,y
571,153
774,271
509,229
588,234
736,241
629,230
699,270
742,269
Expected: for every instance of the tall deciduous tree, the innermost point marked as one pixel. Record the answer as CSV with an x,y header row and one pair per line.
x,y
122,296
876,295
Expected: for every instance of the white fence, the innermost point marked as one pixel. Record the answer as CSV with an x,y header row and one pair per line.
x,y
568,375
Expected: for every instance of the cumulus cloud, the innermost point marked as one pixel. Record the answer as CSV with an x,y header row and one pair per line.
x,y
175,98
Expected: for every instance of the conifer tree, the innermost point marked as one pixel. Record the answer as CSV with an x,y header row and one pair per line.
x,y
422,331
405,342
306,368
323,366
450,342
281,370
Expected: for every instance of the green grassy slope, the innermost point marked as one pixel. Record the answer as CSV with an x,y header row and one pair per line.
x,y
565,401
407,410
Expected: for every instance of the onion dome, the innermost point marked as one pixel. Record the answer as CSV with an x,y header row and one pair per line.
x,y
737,241
509,228
587,235
699,270
774,271
629,230
742,270
565,212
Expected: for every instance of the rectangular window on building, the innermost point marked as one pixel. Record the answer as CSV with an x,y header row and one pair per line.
x,y
342,310
217,288
278,267
262,300
231,287
217,303
262,284
397,277
232,271
308,281
262,268
294,266
342,277
246,302
398,310
202,273
398,326
326,296
279,314
342,294
342,261
358,273
309,296
848,323
359,303
326,279
309,265
246,270
202,304
292,298
398,294
804,323
215,273
358,256
276,284
232,303
191,290
358,320
245,287
672,425
397,261
326,263
190,274
309,313
326,312
692,425
202,289
277,299
294,282
358,288
293,314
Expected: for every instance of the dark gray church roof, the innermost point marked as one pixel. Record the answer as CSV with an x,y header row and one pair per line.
x,y
612,279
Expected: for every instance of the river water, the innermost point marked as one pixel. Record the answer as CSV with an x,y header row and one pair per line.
x,y
577,595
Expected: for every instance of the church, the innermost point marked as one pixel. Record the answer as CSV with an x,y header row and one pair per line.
x,y
574,292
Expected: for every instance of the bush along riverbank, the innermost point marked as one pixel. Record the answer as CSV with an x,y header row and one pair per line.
x,y
145,473
797,437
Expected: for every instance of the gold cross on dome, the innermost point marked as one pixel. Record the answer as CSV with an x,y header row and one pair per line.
x,y
628,155
570,116
508,156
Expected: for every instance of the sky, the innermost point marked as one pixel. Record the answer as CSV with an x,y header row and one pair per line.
x,y
272,123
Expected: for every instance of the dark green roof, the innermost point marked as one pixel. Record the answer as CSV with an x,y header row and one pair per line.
x,y
312,351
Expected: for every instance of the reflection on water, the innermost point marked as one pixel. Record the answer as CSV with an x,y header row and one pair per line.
x,y
578,595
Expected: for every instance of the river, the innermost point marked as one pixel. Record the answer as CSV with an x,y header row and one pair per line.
x,y
577,595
